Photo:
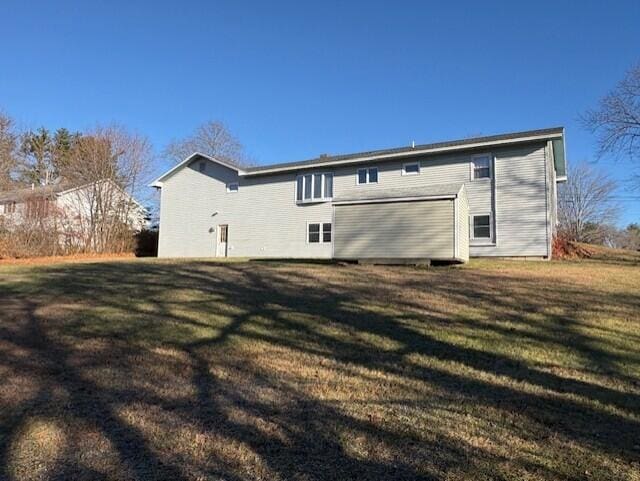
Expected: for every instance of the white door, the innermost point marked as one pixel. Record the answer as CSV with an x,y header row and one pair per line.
x,y
223,235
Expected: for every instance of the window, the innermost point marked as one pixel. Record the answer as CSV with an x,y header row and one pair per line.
x,y
9,207
326,232
202,166
314,233
481,167
232,187
318,233
314,187
412,168
299,184
481,226
367,176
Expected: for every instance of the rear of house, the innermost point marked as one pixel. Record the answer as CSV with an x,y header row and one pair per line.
x,y
486,196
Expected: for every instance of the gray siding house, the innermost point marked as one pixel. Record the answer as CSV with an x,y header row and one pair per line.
x,y
484,196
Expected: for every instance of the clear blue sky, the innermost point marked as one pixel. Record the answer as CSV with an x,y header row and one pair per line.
x,y
296,79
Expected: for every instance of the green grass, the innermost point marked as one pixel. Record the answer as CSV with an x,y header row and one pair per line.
x,y
200,370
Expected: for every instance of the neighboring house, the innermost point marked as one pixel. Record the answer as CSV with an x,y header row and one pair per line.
x,y
484,196
69,205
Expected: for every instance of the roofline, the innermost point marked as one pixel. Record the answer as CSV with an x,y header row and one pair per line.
x,y
158,182
425,149
527,136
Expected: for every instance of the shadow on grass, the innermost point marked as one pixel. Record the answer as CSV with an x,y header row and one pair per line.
x,y
144,352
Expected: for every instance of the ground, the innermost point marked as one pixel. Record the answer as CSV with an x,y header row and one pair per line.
x,y
152,369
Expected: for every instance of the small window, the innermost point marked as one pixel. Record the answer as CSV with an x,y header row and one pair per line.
x,y
326,232
319,233
314,233
202,166
9,207
362,176
367,176
481,225
481,167
232,187
411,169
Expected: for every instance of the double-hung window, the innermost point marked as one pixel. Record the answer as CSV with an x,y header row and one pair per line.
x,y
481,167
319,233
367,176
481,227
314,187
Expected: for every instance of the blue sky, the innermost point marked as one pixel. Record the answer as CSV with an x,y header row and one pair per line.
x,y
296,79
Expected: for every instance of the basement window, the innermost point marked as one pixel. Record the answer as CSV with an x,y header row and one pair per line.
x,y
481,227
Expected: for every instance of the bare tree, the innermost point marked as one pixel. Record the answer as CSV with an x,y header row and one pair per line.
x,y
109,164
211,138
8,146
617,118
585,204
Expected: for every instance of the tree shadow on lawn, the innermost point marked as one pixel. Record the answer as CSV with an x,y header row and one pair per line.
x,y
143,373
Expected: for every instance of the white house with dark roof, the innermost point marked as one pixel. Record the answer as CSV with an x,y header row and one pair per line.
x,y
484,196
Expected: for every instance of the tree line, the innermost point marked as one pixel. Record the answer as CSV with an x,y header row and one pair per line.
x,y
589,205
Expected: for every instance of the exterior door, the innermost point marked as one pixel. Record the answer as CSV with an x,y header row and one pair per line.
x,y
223,236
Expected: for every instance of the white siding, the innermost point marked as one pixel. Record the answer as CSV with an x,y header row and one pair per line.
x,y
264,220
417,229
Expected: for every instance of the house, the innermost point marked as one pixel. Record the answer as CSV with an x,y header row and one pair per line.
x,y
485,196
69,205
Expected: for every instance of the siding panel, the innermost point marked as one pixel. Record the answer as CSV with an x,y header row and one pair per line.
x,y
396,229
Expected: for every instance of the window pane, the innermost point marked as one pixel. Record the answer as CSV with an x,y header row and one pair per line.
x,y
317,186
481,167
362,176
307,186
373,174
314,232
326,232
328,186
481,227
412,168
299,188
232,187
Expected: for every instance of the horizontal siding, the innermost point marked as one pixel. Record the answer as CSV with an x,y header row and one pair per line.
x,y
521,204
396,229
265,221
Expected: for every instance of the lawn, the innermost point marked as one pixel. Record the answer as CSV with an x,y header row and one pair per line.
x,y
152,369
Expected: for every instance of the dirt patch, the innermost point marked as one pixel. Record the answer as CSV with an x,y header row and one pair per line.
x,y
62,259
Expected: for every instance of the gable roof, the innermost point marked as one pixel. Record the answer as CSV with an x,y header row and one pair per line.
x,y
20,194
374,155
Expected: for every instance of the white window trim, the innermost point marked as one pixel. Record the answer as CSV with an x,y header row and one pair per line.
x,y
472,167
488,240
367,169
313,199
229,191
321,241
404,168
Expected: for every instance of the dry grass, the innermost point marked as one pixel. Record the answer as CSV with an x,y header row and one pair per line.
x,y
201,370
